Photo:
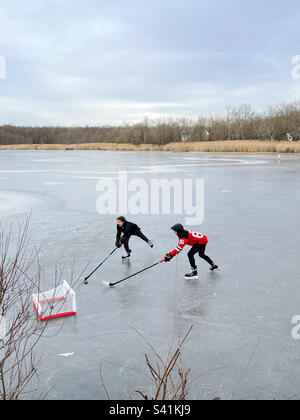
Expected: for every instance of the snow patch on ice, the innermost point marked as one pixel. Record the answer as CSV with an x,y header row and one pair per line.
x,y
15,203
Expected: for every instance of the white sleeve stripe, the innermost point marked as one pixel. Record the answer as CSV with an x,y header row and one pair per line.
x,y
178,249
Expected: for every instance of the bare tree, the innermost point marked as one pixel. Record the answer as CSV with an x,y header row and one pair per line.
x,y
20,275
168,375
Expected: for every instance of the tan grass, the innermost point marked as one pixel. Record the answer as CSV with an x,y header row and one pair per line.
x,y
242,146
82,146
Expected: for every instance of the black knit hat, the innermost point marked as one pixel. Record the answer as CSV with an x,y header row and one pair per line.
x,y
178,228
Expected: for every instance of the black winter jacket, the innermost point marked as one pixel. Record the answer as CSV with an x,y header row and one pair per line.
x,y
127,230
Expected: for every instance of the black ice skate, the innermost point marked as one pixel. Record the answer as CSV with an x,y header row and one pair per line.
x,y
214,267
193,275
124,257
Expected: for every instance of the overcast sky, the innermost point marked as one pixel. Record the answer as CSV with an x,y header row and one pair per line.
x,y
96,62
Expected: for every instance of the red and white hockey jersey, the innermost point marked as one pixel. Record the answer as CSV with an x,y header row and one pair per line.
x,y
193,239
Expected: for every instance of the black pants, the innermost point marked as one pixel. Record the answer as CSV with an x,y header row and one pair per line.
x,y
139,234
200,249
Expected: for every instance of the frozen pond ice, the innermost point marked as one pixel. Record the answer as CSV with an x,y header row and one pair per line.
x,y
252,222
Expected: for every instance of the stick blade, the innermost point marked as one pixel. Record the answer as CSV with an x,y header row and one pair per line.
x,y
106,283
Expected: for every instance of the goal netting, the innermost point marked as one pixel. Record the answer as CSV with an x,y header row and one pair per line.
x,y
2,328
54,303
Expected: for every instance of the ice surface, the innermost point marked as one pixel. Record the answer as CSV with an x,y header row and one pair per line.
x,y
16,202
252,221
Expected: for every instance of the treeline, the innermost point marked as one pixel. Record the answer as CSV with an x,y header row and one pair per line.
x,y
281,122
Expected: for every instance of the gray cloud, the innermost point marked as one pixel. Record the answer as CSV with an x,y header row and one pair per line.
x,y
98,62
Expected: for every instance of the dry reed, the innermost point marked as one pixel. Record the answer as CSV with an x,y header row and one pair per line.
x,y
238,146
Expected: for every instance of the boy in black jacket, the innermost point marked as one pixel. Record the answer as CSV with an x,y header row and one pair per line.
x,y
127,229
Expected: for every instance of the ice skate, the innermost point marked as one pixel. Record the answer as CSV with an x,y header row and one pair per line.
x,y
192,276
125,257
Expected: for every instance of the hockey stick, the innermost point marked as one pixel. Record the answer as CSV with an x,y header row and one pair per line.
x,y
129,277
85,279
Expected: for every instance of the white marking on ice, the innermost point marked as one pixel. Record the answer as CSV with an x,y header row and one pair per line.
x,y
22,171
54,160
66,354
233,161
94,177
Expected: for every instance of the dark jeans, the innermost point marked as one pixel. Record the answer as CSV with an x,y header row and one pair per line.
x,y
137,233
200,249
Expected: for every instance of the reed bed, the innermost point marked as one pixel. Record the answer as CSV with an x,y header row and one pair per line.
x,y
239,146
82,146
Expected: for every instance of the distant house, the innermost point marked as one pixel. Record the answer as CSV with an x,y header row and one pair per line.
x,y
206,135
185,137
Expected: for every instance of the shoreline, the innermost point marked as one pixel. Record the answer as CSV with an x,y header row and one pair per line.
x,y
238,146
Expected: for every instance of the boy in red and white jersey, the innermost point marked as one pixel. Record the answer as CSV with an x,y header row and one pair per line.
x,y
197,241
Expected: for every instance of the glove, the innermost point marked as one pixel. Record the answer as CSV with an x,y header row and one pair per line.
x,y
118,244
168,257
